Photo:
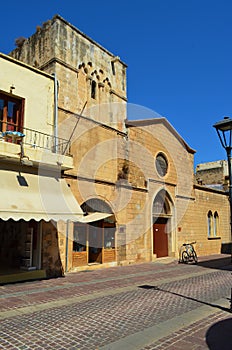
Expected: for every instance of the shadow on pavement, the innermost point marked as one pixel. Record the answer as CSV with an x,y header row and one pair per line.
x,y
156,288
218,336
221,263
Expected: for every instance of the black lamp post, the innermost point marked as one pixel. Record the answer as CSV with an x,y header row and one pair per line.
x,y
224,131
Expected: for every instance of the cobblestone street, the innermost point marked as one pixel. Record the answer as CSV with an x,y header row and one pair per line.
x,y
161,305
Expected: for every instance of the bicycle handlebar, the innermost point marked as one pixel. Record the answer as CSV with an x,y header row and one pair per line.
x,y
189,243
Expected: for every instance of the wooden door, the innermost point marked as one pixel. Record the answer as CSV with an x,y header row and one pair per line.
x,y
95,243
109,242
160,240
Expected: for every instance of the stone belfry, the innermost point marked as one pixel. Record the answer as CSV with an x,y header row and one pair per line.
x,y
87,73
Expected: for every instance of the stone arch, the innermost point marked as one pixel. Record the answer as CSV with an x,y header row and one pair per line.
x,y
90,71
107,82
82,67
93,205
95,88
95,74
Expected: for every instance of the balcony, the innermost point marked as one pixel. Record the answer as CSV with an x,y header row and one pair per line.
x,y
40,148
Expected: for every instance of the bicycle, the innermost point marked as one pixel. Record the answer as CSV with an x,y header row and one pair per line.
x,y
188,253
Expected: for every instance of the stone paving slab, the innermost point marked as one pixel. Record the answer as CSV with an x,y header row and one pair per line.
x,y
187,329
100,308
80,284
46,303
197,335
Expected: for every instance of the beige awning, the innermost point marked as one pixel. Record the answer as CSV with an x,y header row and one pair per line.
x,y
94,217
28,196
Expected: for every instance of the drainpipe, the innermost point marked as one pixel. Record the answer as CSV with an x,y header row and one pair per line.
x,y
66,246
55,112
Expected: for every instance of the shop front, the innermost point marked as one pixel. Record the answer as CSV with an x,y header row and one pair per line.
x,y
30,207
94,236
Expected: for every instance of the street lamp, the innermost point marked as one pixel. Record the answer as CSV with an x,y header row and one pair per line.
x,y
224,131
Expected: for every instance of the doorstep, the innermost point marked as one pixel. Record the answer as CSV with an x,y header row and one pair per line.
x,y
165,260
93,266
22,276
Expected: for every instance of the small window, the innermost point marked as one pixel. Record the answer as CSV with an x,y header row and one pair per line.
x,y
11,112
161,164
79,238
93,89
215,226
113,67
210,223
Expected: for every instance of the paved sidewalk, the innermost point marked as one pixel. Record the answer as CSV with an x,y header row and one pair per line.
x,y
145,306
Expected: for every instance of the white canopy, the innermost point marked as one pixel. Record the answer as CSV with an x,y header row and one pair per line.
x,y
31,196
94,217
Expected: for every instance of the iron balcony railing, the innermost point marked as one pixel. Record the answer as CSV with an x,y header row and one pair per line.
x,y
35,139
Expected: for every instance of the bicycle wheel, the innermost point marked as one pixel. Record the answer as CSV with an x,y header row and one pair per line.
x,y
194,254
185,257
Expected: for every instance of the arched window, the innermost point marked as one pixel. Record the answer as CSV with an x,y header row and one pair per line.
x,y
210,223
215,226
93,89
161,206
96,205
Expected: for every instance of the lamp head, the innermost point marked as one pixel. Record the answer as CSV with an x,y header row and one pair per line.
x,y
224,125
224,131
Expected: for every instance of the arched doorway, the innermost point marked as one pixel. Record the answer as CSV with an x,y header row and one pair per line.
x,y
161,213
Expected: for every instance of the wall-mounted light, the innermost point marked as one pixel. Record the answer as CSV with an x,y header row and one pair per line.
x,y
26,161
12,88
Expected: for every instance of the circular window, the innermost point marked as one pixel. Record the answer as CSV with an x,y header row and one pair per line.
x,y
161,164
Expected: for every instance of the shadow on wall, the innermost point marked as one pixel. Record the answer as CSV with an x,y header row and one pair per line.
x,y
226,248
50,251
218,336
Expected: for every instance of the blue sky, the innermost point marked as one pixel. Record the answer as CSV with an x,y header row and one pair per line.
x,y
178,52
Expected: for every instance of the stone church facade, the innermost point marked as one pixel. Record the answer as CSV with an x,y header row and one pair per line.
x,y
134,179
